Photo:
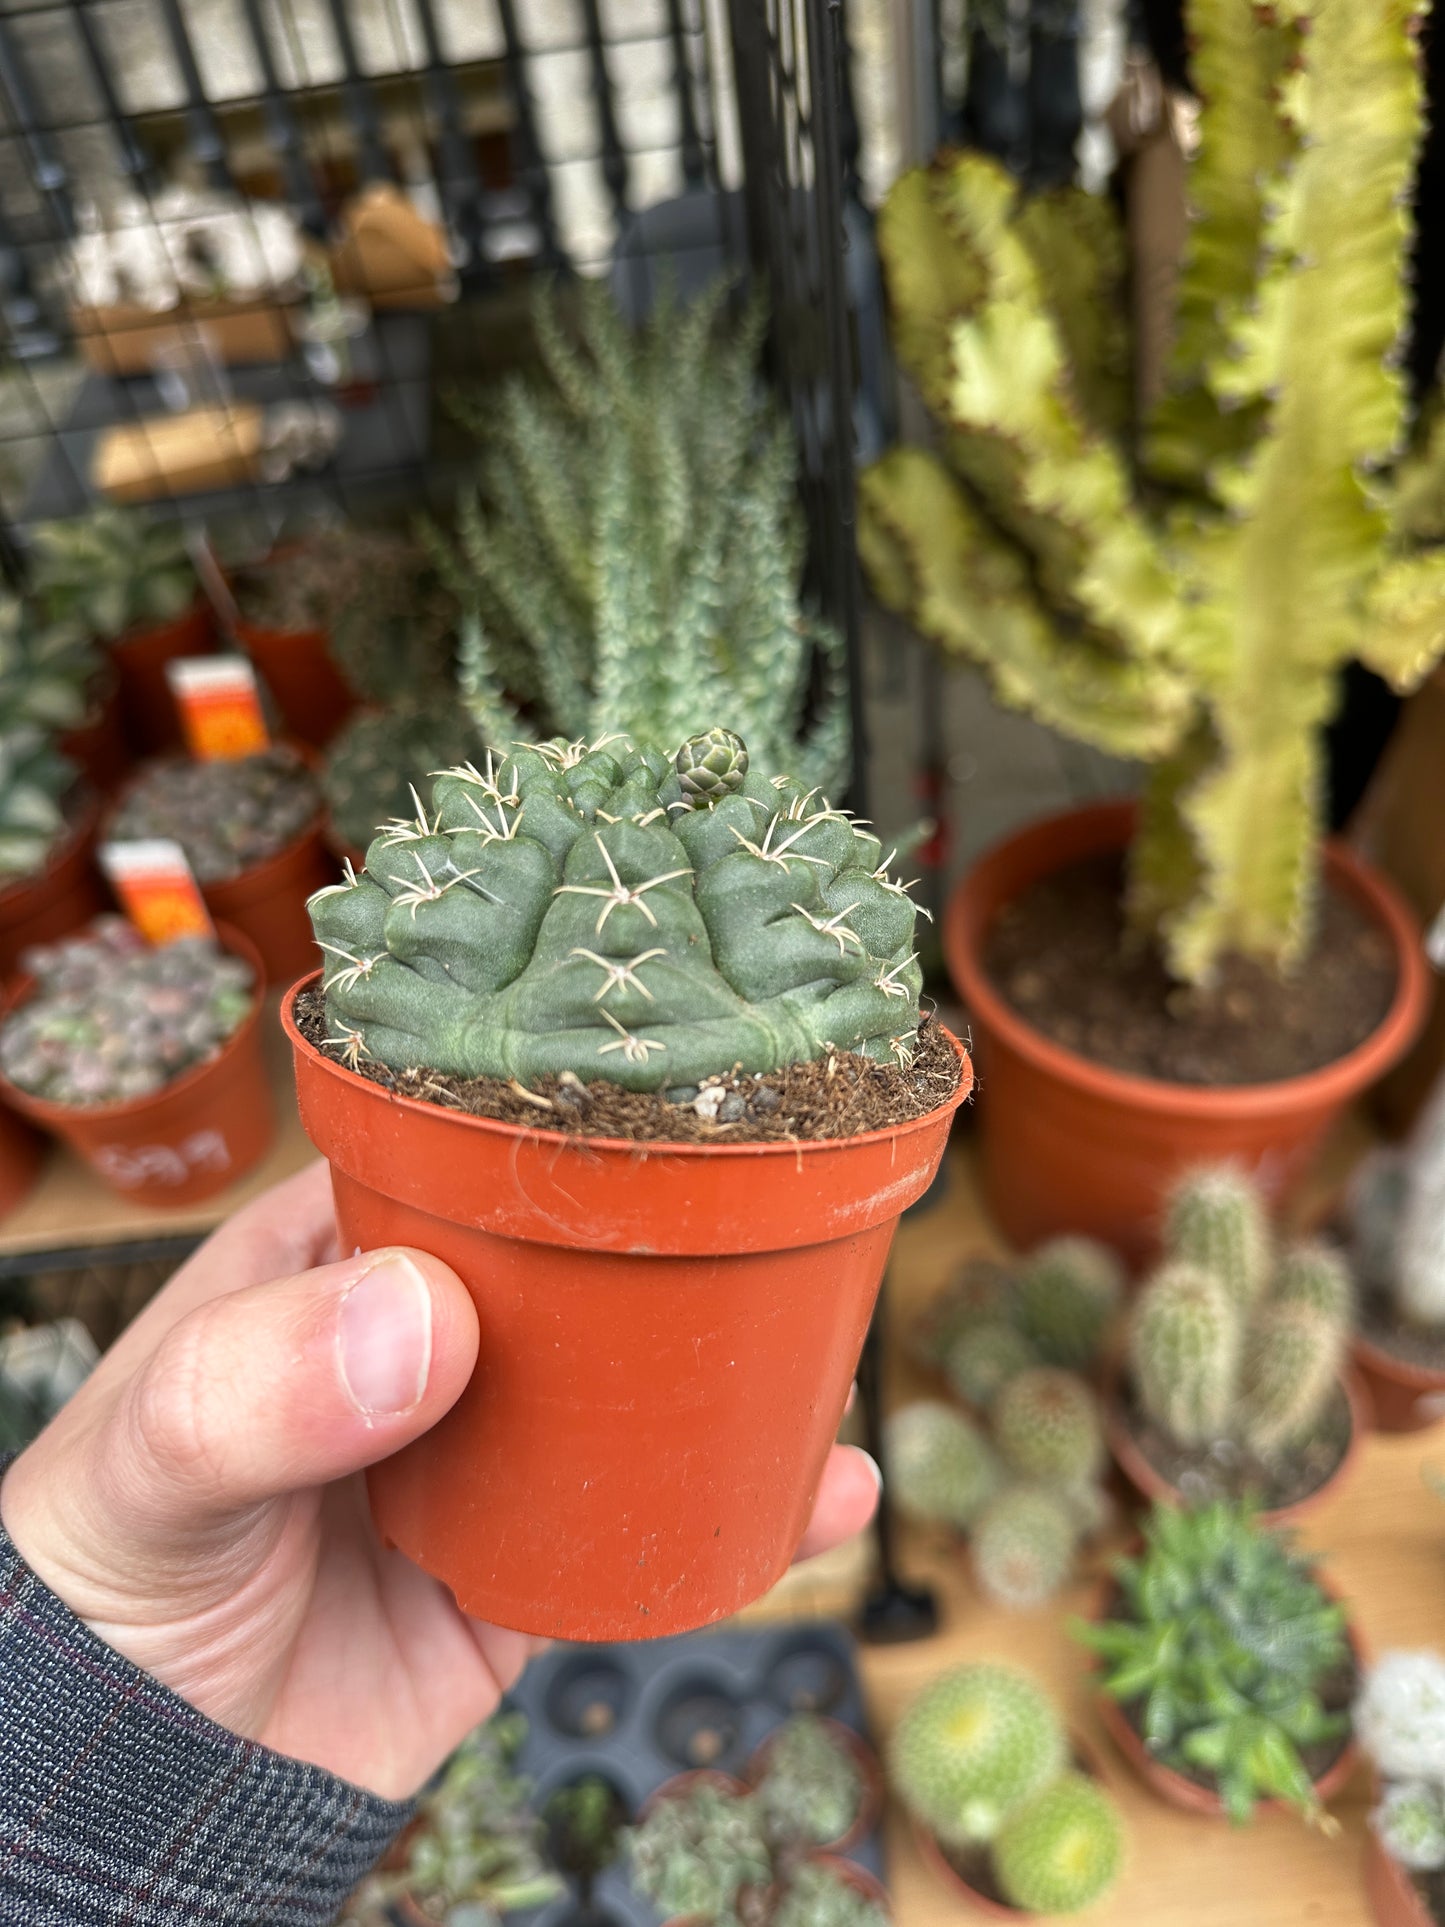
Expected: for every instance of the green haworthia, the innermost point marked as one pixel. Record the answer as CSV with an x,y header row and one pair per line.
x,y
566,908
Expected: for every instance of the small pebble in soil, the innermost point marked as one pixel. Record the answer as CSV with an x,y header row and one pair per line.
x,y
226,816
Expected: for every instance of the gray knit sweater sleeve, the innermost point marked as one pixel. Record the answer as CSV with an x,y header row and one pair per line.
x,y
121,1806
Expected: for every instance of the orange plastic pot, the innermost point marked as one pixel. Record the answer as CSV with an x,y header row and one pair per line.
x,y
1070,1145
97,746
60,900
268,902
870,1776
668,1334
185,1142
296,665
1403,1397
1395,1900
148,709
1151,1484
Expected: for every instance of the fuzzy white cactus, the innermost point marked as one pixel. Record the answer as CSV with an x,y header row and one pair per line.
x,y
1399,1717
1419,1274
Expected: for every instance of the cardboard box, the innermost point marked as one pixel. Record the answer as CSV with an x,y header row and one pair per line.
x,y
388,253
124,339
206,448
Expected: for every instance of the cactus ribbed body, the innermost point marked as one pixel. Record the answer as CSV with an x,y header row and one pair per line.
x,y
1046,1424
940,1468
1063,1850
971,1748
1069,1292
1184,1353
1292,1359
1217,1220
984,1358
564,909
1023,1546
1316,1276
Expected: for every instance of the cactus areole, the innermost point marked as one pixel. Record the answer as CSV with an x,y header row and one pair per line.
x,y
668,1329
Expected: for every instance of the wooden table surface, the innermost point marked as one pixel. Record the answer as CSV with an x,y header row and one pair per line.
x,y
1384,1543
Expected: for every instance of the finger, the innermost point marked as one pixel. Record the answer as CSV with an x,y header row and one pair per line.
x,y
847,1500
283,1386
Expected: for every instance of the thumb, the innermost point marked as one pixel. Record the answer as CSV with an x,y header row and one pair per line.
x,y
292,1384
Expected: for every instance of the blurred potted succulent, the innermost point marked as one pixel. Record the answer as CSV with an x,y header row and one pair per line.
x,y
1225,1668
817,1785
1000,1810
1058,1305
633,1042
129,580
633,551
1400,1725
585,1822
1189,602
825,1891
145,1061
701,1856
1397,1244
48,884
251,830
1238,1382
54,674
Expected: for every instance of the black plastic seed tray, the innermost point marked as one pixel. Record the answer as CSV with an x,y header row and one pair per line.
x,y
636,1715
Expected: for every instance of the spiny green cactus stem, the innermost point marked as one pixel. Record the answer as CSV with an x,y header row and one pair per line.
x,y
1023,1546
1163,622
939,1466
1410,1822
1063,1850
568,908
1070,1290
972,1747
35,782
633,552
1216,1219
1046,1424
113,570
1291,1366
1317,1276
985,1358
1184,1354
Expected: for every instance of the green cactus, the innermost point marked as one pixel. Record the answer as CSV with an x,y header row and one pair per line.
x,y
1216,1219
634,551
1316,1275
113,570
984,1358
1063,1850
812,1789
1023,1546
564,909
35,782
1070,1290
698,1852
1291,1366
980,1292
1165,622
971,1748
940,1468
819,1895
46,669
366,774
1184,1354
1410,1822
1046,1424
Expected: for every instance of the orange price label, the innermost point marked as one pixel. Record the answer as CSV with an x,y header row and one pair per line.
x,y
220,707
156,889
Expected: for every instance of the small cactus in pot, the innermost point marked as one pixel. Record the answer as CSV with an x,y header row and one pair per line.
x,y
1216,1221
113,571
227,816
1046,1424
940,1467
811,1787
820,1894
1069,1293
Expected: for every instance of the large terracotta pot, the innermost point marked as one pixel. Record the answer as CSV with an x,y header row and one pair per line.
x,y
1395,1900
1404,1397
669,1332
148,709
184,1142
59,901
1070,1145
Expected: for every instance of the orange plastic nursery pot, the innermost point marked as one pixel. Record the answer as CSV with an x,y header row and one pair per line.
x,y
268,902
1071,1145
148,708
870,1774
1403,1397
1395,1900
97,746
313,696
668,1334
63,898
185,1142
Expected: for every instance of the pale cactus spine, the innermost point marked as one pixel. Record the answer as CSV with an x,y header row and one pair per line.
x,y
1216,1219
1184,1354
973,1746
1063,1850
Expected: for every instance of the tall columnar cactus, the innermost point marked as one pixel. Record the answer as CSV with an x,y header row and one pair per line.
x,y
1292,1359
633,552
1069,1292
1216,1219
1063,1850
1199,625
940,1468
1316,1275
1184,1354
971,1748
607,912
1046,1423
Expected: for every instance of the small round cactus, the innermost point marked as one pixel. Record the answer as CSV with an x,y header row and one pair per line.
x,y
980,1292
1217,1220
1046,1424
940,1467
812,1788
1069,1292
982,1360
1184,1352
711,766
1399,1716
1292,1360
1316,1275
1023,1546
971,1748
1410,1822
1063,1850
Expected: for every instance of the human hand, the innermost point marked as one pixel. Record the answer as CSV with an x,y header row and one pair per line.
x,y
199,1501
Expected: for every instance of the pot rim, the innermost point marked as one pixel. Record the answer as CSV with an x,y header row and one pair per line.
x,y
57,1117
653,1147
1384,1872
1152,1484
1416,1378
963,931
144,629
314,826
